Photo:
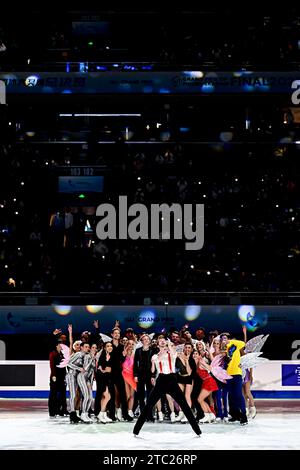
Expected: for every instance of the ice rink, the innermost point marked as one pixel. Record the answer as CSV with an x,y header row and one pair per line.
x,y
25,425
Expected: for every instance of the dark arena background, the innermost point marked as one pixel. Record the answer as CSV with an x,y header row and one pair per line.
x,y
201,107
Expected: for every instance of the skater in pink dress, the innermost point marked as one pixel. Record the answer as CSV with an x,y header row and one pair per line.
x,y
128,376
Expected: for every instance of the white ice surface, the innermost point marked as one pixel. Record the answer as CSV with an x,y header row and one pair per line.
x,y
37,431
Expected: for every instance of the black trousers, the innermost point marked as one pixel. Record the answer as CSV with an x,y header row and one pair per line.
x,y
57,403
144,382
194,396
118,381
166,383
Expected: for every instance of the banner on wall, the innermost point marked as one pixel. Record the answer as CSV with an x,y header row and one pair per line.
x,y
184,82
44,319
30,379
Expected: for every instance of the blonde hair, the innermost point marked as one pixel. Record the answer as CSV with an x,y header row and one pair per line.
x,y
203,344
76,343
217,338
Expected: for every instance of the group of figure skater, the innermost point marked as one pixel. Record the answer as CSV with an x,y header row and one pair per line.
x,y
196,379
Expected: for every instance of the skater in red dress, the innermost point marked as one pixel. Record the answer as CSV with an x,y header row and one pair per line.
x,y
209,385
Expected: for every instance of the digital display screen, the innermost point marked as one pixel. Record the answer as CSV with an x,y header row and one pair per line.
x,y
90,28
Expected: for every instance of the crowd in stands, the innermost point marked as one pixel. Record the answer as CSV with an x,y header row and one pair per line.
x,y
218,39
251,199
245,173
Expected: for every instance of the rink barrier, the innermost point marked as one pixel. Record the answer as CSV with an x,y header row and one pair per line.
x,y
268,380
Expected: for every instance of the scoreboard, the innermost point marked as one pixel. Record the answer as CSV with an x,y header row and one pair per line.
x,y
80,170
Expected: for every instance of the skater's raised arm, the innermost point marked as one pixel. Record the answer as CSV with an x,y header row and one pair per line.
x,y
71,341
244,328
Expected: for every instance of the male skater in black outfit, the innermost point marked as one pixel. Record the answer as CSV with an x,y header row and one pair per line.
x,y
142,372
164,363
117,377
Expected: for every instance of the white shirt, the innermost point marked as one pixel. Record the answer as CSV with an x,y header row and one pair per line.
x,y
165,363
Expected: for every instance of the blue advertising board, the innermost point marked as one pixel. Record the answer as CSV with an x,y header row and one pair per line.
x,y
290,374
